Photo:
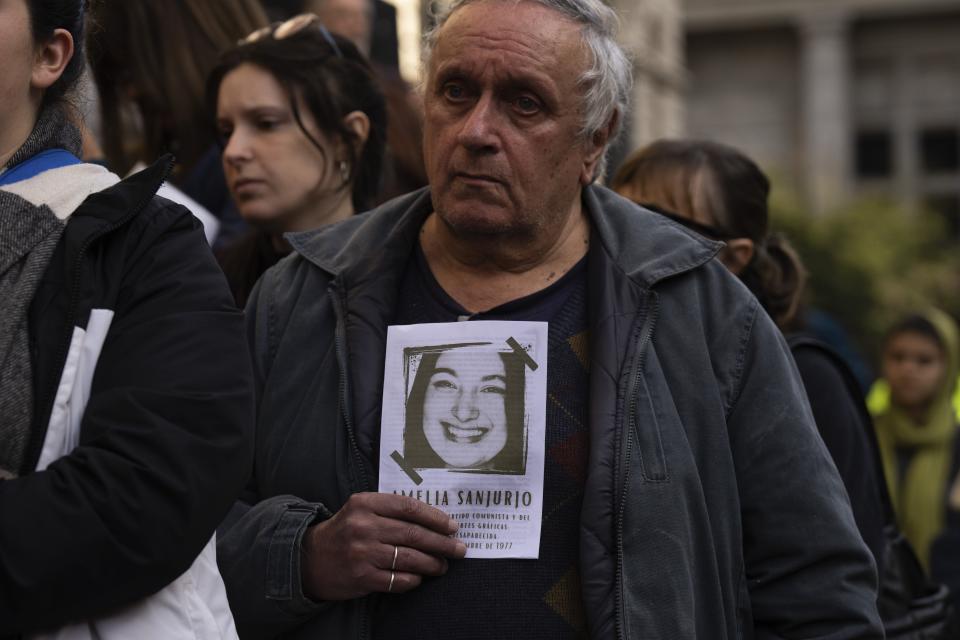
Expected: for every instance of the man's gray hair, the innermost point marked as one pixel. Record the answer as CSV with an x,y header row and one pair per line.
x,y
607,82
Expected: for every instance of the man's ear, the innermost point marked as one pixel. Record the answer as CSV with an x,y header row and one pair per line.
x,y
595,147
359,124
52,58
737,254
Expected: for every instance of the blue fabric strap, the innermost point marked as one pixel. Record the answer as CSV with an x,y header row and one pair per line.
x,y
43,161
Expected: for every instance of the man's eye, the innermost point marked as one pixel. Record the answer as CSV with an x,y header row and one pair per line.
x,y
494,389
444,385
526,105
454,92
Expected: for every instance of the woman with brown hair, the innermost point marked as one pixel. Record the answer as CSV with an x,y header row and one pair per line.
x,y
150,60
721,194
302,123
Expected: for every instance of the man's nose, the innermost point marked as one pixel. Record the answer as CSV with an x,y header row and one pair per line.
x,y
480,130
466,407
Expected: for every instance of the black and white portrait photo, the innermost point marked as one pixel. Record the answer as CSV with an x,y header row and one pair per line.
x,y
466,410
463,428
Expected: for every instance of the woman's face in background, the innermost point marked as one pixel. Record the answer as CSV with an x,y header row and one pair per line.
x,y
464,410
278,178
914,367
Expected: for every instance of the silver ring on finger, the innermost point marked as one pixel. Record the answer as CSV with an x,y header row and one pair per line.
x,y
393,575
396,552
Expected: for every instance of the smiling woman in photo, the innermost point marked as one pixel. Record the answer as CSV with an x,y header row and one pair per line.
x,y
465,411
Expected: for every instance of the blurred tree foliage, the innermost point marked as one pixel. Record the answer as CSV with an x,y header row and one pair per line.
x,y
872,262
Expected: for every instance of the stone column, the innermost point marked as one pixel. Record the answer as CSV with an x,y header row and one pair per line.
x,y
825,126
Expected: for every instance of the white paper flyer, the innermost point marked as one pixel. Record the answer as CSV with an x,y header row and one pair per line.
x,y
463,428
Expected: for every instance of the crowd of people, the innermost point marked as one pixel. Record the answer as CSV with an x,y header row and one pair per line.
x,y
198,283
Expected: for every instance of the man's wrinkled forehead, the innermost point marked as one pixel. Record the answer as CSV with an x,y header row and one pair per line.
x,y
521,30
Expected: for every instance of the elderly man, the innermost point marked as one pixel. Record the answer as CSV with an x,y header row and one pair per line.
x,y
686,493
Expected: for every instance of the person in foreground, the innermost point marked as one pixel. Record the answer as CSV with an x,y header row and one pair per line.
x,y
686,491
126,388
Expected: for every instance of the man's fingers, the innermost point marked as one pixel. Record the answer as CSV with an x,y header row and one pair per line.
x,y
414,561
411,510
402,582
413,536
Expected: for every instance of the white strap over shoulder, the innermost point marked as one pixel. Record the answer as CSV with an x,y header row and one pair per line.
x,y
192,607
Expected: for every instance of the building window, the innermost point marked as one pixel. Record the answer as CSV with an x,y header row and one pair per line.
x,y
940,149
874,154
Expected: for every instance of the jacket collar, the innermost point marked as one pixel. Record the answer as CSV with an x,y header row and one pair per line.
x,y
116,204
646,246
367,245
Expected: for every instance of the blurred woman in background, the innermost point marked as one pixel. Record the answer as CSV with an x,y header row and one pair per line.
x,y
303,124
150,60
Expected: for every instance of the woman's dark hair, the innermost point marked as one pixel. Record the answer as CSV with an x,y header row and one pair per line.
x,y
49,15
699,179
331,86
512,457
150,60
916,324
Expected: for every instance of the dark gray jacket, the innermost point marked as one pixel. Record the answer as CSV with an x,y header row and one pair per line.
x,y
712,509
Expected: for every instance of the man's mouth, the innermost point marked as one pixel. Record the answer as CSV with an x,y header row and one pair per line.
x,y
463,435
477,178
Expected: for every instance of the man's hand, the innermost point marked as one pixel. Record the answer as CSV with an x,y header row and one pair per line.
x,y
352,554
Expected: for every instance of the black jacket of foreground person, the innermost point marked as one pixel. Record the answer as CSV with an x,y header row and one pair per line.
x,y
165,429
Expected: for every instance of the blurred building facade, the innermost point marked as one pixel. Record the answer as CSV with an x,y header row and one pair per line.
x,y
836,98
652,31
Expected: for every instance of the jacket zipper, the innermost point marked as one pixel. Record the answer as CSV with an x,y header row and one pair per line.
x,y
339,308
646,333
30,460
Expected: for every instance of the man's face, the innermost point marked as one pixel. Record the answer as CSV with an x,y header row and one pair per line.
x,y
502,142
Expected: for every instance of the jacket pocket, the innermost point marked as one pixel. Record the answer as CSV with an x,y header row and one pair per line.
x,y
641,414
645,427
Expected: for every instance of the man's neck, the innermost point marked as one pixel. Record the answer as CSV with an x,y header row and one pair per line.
x,y
484,272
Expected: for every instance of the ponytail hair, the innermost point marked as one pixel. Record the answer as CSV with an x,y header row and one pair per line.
x,y
777,277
